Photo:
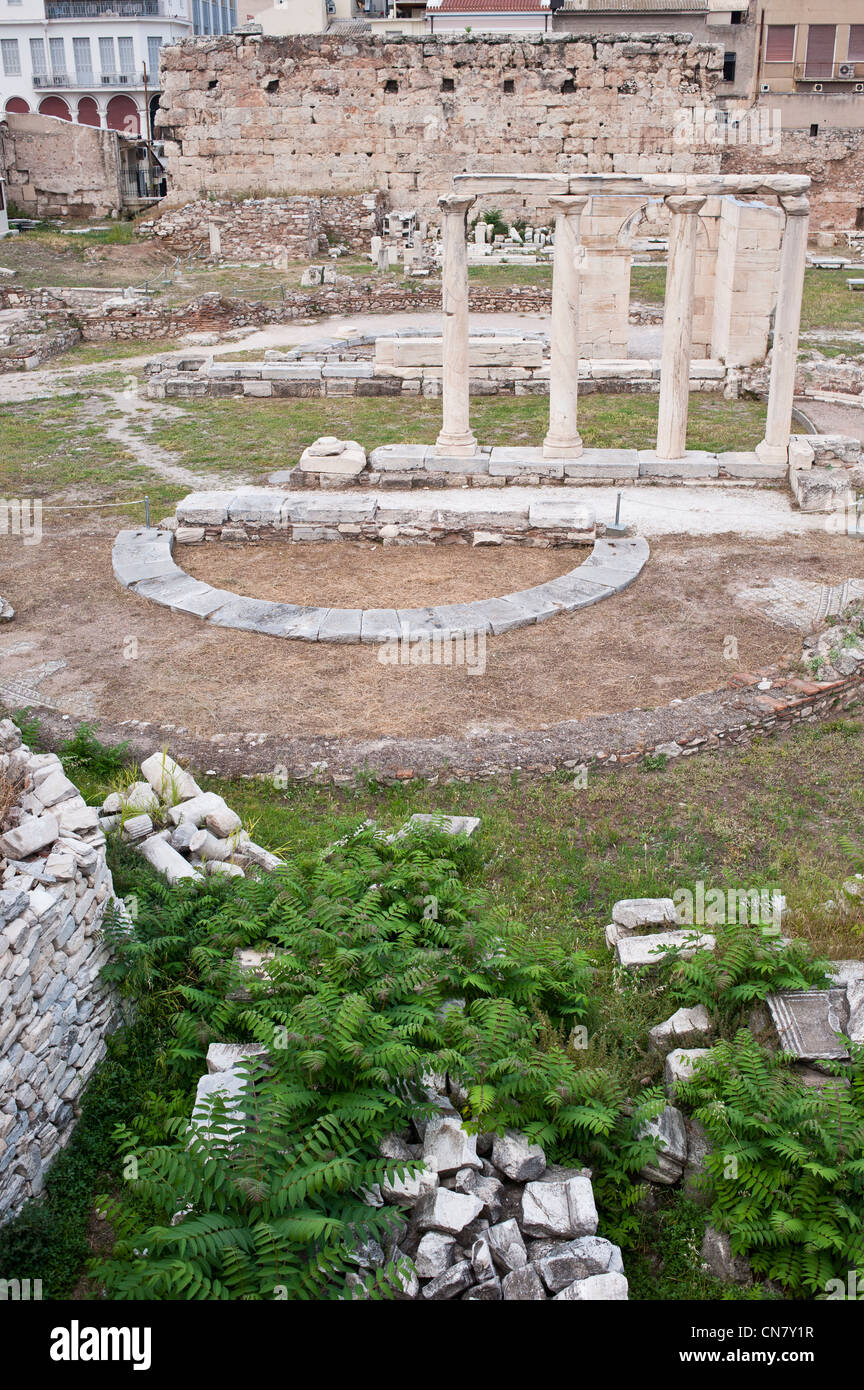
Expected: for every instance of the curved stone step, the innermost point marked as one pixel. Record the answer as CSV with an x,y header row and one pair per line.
x,y
143,562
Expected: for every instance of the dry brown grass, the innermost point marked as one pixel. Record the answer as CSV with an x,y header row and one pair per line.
x,y
11,788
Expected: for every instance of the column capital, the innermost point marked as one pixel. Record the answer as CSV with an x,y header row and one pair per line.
x,y
568,203
685,202
457,202
795,206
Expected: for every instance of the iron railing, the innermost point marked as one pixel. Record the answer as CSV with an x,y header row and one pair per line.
x,y
101,9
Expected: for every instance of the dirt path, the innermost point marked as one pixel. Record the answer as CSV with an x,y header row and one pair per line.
x,y
132,432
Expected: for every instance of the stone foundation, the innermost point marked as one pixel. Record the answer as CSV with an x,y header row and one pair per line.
x,y
305,377
268,229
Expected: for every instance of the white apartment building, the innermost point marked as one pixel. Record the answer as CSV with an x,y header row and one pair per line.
x,y
96,61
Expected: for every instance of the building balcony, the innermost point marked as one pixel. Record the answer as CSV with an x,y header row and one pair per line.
x,y
106,9
90,81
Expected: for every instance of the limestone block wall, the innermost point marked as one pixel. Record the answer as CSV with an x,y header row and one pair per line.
x,y
324,113
604,285
55,886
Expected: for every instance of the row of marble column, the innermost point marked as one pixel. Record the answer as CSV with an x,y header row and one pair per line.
x,y
562,439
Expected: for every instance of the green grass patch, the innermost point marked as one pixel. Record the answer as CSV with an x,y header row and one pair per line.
x,y
829,303
275,432
91,354
57,450
648,283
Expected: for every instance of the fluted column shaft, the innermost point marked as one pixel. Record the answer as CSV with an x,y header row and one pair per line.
x,y
455,438
563,439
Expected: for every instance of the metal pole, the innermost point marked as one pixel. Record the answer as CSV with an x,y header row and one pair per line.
x,y
618,509
147,512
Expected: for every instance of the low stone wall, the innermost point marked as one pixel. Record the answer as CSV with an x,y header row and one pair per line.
x,y
309,377
54,1013
268,229
372,295
268,514
34,327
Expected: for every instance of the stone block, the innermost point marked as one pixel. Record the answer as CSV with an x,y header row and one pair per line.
x,y
603,465
596,1288
559,1207
694,464
341,625
809,1022
638,952
632,913
681,1064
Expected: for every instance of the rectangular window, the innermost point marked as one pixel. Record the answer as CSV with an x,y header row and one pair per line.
x,y
106,57
780,43
821,39
38,60
11,57
126,53
83,60
205,16
57,49
729,60
196,16
153,46
856,43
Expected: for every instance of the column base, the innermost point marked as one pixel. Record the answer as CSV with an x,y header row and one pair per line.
x,y
772,453
456,446
572,448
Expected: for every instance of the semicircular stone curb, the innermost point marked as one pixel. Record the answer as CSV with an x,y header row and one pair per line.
x,y
143,563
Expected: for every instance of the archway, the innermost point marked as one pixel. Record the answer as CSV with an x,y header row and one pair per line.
x,y
88,112
122,114
18,105
55,106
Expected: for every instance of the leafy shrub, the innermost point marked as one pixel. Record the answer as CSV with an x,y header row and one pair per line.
x,y
786,1169
83,752
746,965
391,968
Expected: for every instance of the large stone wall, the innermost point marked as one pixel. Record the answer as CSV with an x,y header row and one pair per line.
x,y
320,113
54,888
57,168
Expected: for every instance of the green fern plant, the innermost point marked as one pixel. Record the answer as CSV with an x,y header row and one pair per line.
x,y
390,965
746,965
785,1173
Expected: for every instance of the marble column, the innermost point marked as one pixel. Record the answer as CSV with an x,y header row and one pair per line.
x,y
787,321
563,439
455,438
678,327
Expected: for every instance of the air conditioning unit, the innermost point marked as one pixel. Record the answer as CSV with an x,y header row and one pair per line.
x,y
859,86
764,86
817,87
845,69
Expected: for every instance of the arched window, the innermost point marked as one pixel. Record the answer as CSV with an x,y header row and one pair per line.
x,y
18,105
